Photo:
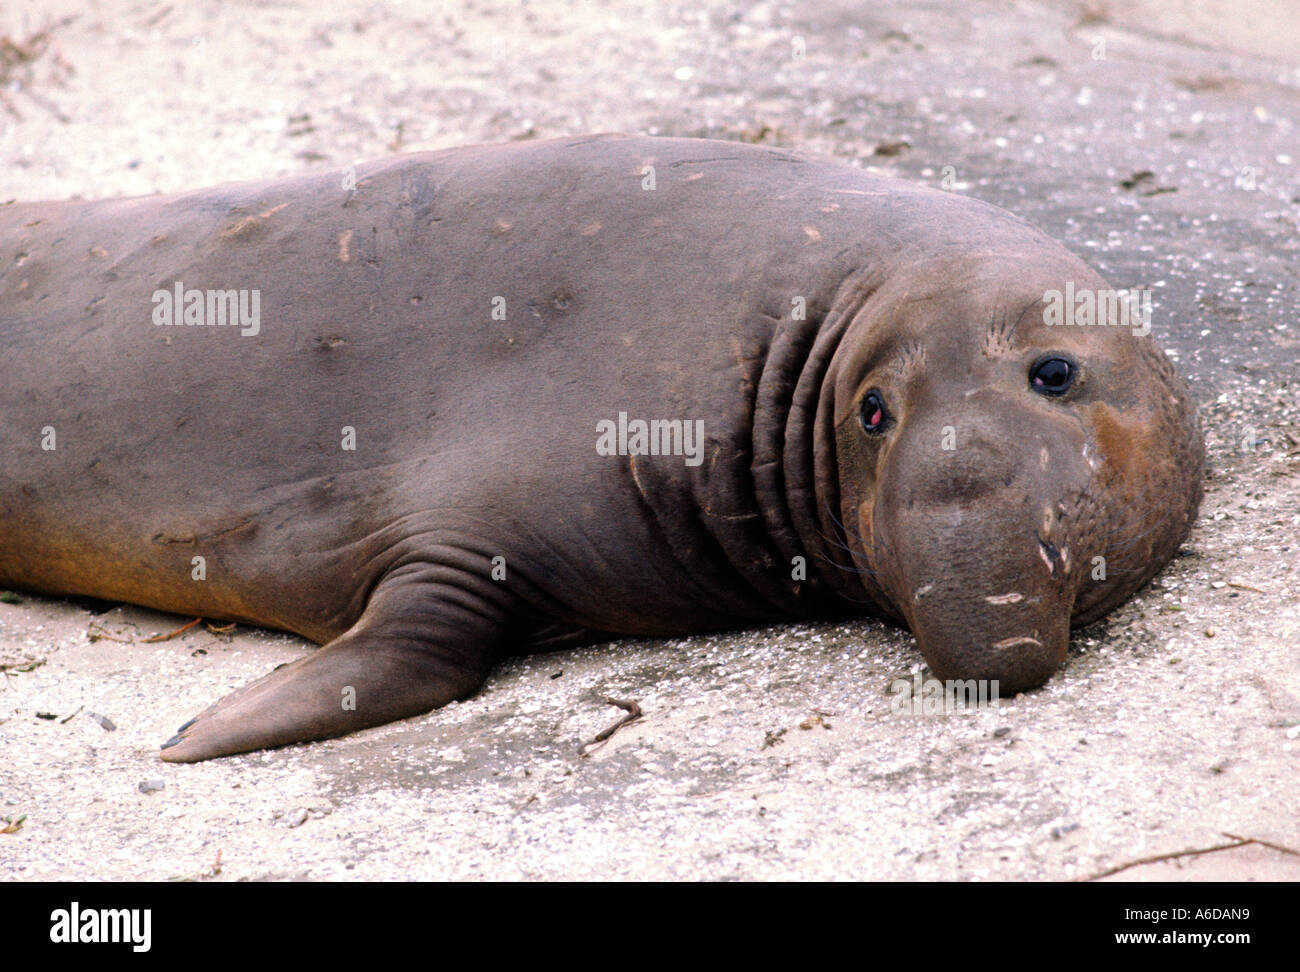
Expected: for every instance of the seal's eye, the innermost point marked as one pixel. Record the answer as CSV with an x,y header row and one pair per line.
x,y
1051,376
874,414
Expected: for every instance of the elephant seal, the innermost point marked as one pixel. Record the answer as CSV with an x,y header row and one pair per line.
x,y
511,398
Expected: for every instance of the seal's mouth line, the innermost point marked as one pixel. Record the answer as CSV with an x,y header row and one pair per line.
x,y
1016,642
1011,597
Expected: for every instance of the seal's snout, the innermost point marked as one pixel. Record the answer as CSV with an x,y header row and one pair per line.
x,y
980,647
983,610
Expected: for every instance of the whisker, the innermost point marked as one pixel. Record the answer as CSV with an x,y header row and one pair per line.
x,y
853,552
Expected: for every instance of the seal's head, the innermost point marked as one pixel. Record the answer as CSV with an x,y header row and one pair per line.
x,y
1009,461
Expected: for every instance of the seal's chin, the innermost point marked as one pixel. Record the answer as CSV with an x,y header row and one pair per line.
x,y
1020,650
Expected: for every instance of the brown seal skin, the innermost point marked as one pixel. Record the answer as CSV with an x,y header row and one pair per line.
x,y
866,356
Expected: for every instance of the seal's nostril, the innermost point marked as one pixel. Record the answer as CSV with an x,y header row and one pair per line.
x,y
1051,556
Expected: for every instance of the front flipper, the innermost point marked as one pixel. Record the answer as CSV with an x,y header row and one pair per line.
x,y
422,642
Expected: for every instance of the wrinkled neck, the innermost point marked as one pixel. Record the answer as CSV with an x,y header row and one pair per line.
x,y
796,473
